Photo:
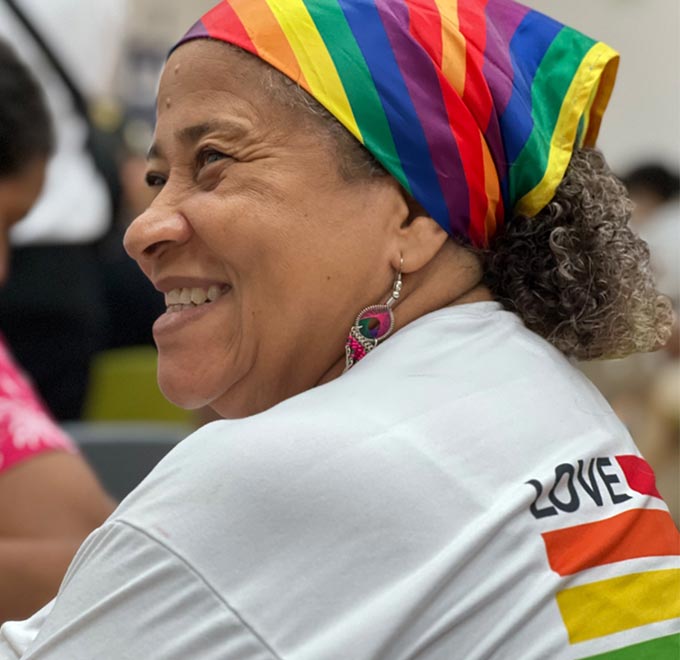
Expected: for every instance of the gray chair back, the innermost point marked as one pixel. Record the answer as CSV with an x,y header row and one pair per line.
x,y
122,454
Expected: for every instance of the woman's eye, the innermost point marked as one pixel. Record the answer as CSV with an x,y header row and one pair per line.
x,y
209,156
154,180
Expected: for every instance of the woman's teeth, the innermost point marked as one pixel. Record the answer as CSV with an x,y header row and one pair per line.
x,y
180,299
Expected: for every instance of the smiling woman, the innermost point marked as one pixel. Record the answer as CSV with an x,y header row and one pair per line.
x,y
234,212
375,224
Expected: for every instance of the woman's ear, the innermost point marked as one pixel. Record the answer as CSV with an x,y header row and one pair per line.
x,y
420,238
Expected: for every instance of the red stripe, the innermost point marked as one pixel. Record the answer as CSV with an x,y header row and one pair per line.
x,y
469,141
639,475
426,27
629,535
425,24
222,21
477,95
477,100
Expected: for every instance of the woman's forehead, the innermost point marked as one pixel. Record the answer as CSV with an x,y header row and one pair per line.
x,y
213,72
209,88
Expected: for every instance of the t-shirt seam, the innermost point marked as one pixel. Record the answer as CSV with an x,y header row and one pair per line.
x,y
210,588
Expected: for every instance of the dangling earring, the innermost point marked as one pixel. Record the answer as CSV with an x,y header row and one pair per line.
x,y
372,325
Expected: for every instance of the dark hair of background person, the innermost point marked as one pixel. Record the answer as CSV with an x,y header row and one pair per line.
x,y
25,125
576,273
654,178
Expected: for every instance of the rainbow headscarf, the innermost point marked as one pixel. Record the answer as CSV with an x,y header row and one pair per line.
x,y
474,106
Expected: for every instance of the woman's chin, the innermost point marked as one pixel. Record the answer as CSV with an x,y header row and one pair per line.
x,y
184,391
182,399
192,384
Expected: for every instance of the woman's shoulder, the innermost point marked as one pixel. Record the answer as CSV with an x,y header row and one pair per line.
x,y
431,389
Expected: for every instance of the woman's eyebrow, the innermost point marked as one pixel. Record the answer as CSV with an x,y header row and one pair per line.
x,y
230,128
191,134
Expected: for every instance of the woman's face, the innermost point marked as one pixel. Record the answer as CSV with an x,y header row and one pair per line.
x,y
264,252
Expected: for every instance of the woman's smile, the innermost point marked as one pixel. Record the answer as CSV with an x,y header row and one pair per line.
x,y
187,306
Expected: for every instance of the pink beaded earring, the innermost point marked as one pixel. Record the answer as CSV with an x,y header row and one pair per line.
x,y
372,325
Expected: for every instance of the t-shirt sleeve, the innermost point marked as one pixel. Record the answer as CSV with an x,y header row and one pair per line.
x,y
126,595
17,636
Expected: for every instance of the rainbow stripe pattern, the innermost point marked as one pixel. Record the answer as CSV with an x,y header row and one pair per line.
x,y
474,106
634,596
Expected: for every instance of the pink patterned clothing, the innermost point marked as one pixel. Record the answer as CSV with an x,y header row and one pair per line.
x,y
26,429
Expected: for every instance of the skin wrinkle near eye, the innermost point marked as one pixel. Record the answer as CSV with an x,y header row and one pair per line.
x,y
241,138
229,129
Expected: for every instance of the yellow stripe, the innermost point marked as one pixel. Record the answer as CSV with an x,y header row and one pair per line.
x,y
453,45
610,606
594,66
599,105
315,61
586,115
493,192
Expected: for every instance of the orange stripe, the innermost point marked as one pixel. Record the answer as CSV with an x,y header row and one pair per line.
x,y
454,46
259,19
630,535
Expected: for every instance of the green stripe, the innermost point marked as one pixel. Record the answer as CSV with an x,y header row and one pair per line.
x,y
358,83
662,648
548,92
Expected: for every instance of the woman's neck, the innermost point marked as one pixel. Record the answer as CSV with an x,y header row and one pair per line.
x,y
453,277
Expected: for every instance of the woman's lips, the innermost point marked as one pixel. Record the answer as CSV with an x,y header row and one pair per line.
x,y
180,314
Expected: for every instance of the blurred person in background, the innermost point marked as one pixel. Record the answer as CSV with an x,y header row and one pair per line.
x,y
651,186
49,498
131,301
53,309
644,389
655,191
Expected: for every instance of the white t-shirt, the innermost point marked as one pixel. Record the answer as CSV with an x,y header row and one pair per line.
x,y
87,37
406,510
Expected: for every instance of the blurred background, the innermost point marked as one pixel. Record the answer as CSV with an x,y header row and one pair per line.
x,y
76,312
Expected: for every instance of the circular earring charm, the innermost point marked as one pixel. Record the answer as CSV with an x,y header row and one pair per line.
x,y
372,325
375,322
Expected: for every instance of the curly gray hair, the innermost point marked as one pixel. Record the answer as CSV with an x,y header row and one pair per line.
x,y
575,273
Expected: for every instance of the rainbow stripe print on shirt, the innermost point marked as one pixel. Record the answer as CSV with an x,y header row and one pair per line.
x,y
641,546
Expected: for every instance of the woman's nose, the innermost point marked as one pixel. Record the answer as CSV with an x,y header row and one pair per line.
x,y
154,232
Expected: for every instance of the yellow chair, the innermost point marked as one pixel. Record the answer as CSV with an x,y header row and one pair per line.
x,y
123,387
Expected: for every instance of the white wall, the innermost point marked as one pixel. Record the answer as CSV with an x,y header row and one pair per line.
x,y
643,119
163,22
